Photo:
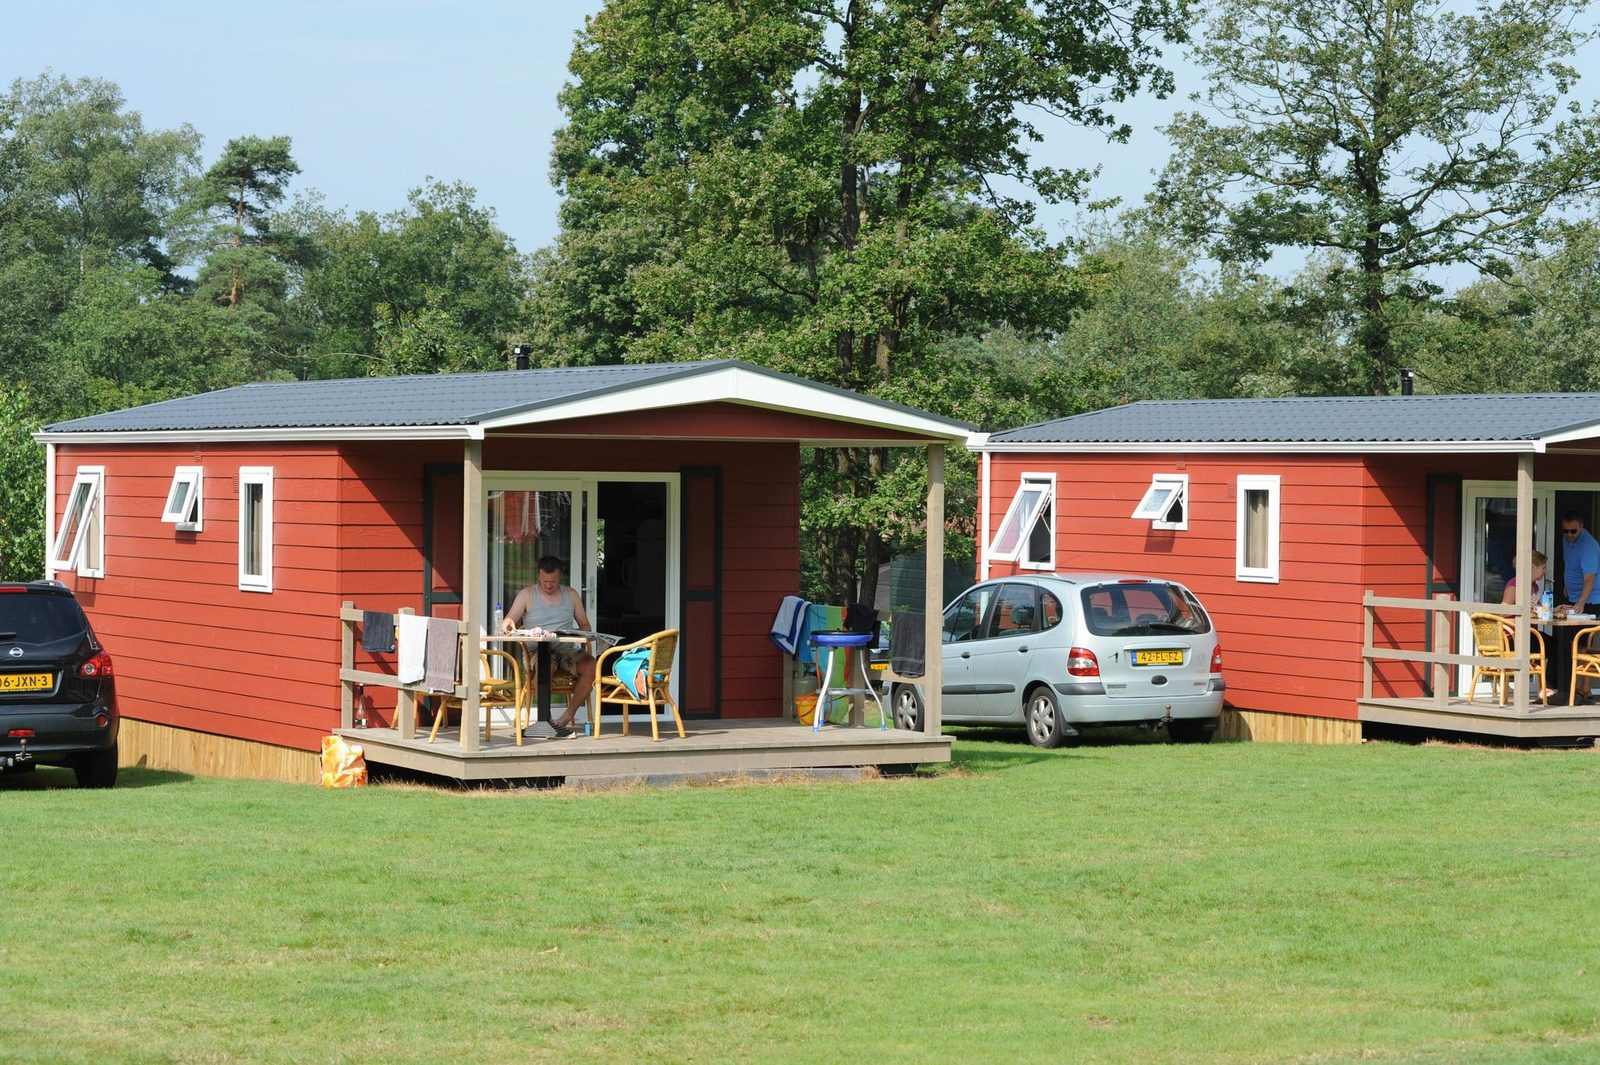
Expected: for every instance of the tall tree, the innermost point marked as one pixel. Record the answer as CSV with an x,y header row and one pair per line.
x,y
84,189
831,189
437,286
1402,135
246,258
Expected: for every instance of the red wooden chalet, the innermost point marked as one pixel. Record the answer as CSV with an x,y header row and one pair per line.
x,y
216,539
1322,534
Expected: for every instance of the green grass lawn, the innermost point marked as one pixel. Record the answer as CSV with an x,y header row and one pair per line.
x,y
1117,902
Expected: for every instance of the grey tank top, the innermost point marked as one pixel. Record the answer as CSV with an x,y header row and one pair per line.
x,y
542,615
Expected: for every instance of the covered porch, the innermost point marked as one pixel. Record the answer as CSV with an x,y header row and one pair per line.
x,y
715,460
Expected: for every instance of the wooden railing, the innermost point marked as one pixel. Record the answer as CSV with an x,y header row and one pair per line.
x,y
1444,627
349,676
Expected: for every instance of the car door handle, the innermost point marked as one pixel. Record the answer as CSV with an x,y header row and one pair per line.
x,y
966,654
1023,649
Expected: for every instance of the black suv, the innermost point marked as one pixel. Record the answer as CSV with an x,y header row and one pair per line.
x,y
58,698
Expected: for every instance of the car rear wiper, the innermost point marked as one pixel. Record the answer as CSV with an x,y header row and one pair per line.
x,y
8,636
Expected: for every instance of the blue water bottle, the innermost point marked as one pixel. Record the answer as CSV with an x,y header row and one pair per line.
x,y
1547,601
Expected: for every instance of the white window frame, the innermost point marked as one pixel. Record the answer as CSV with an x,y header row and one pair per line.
x,y
1025,523
255,581
187,511
1155,505
1270,484
91,481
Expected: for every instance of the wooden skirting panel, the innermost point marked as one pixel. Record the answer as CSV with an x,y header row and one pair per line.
x,y
144,745
1261,727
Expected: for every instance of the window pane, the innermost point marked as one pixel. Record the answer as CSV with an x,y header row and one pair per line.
x,y
962,619
254,528
72,524
1040,537
1255,528
1009,538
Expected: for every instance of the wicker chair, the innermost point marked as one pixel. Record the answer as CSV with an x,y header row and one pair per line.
x,y
1492,637
1585,659
493,693
657,686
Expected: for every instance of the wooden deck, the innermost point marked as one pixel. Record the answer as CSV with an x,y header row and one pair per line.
x,y
711,747
1485,718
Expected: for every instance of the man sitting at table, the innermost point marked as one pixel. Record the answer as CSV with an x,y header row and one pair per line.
x,y
552,606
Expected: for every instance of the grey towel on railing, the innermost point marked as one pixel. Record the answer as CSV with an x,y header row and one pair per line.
x,y
439,667
907,643
377,630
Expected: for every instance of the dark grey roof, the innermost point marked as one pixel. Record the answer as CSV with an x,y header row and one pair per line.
x,y
429,400
1327,419
364,402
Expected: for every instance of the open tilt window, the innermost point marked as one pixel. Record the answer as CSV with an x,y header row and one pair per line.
x,y
1165,502
184,499
1027,533
81,538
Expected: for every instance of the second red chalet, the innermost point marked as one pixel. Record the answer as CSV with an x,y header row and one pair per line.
x,y
1322,533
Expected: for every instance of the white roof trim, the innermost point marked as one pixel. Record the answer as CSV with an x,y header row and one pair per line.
x,y
736,384
246,436
1276,447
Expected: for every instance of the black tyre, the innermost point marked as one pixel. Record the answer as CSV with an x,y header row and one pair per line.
x,y
1191,731
97,769
1041,715
907,708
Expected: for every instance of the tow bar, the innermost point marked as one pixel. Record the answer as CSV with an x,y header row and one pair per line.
x,y
22,757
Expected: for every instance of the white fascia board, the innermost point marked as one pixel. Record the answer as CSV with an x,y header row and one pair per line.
x,y
1296,447
734,384
1568,436
325,434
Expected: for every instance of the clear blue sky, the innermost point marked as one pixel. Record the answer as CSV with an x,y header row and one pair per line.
x,y
380,95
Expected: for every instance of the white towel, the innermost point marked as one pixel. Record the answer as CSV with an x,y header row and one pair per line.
x,y
411,632
787,625
443,651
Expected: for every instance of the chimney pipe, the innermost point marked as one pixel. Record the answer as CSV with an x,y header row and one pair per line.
x,y
1407,376
522,351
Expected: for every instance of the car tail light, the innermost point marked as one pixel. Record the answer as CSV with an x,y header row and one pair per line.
x,y
98,666
20,734
1081,662
12,588
1216,659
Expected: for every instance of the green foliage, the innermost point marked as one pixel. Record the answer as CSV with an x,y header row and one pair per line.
x,y
433,288
1401,135
21,488
822,189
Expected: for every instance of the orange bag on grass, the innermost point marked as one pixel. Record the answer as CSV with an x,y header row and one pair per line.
x,y
344,764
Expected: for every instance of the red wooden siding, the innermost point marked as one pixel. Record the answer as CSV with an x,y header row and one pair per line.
x,y
191,648
1348,524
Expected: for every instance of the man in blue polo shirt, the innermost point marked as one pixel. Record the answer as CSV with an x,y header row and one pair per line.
x,y
1580,558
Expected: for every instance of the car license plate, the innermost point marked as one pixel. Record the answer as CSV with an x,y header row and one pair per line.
x,y
1173,657
26,682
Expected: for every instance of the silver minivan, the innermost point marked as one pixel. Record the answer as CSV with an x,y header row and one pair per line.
x,y
1058,653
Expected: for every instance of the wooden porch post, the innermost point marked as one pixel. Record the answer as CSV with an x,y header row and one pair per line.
x,y
1524,566
932,649
471,589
